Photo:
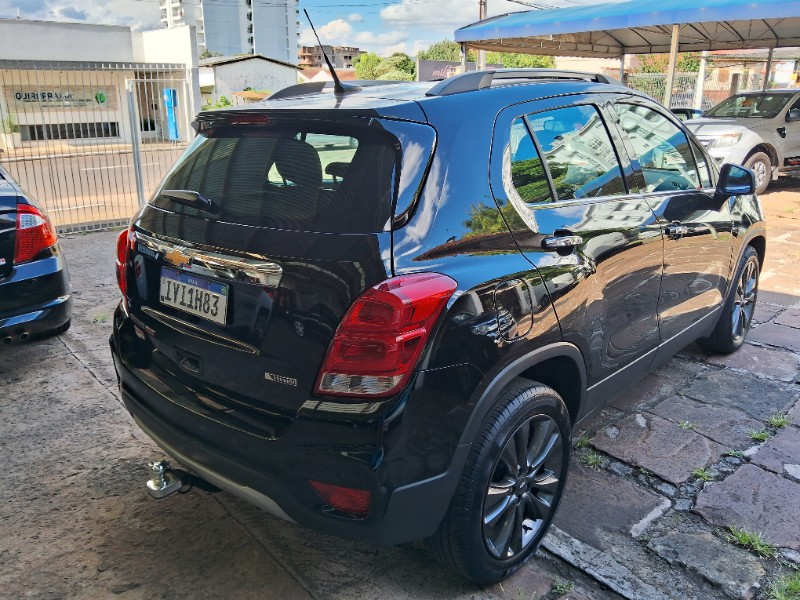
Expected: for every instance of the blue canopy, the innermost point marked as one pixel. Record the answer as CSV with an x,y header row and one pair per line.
x,y
639,27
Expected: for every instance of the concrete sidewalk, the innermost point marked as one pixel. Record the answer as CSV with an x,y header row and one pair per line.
x,y
657,479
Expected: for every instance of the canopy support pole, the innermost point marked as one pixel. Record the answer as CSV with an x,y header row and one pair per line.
x,y
463,58
481,53
622,68
673,64
700,86
769,68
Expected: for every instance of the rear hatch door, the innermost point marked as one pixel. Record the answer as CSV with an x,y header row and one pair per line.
x,y
254,247
8,225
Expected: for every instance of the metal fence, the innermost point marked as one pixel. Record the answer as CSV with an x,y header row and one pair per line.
x,y
717,85
90,140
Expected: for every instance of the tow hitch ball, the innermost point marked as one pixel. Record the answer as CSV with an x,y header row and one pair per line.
x,y
165,481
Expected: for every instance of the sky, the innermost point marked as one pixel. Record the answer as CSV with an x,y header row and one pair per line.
x,y
382,26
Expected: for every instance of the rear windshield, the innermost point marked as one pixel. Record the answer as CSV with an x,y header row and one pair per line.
x,y
299,176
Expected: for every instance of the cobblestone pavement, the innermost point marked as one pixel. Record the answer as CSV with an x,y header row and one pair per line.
x,y
657,478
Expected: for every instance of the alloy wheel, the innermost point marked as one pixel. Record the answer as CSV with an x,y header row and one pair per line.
x,y
760,170
520,496
744,305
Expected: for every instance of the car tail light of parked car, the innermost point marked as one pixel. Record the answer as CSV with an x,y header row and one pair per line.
x,y
123,244
347,500
35,233
382,336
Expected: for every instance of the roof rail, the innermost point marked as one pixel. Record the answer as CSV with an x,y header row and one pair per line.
x,y
314,87
479,80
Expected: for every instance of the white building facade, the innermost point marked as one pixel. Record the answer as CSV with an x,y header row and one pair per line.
x,y
231,27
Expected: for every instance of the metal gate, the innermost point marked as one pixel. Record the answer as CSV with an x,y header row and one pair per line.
x,y
91,141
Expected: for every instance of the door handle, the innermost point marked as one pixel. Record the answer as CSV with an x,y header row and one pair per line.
x,y
676,230
561,241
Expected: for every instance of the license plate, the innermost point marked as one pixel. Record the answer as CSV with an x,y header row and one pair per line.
x,y
195,295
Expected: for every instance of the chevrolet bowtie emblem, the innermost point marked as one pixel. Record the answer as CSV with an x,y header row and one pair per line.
x,y
177,258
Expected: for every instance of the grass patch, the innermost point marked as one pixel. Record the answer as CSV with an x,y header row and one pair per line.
x,y
582,442
702,473
752,541
734,453
101,318
785,587
561,587
686,425
779,420
761,435
592,460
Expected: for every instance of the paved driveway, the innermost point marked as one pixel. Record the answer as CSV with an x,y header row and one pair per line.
x,y
638,519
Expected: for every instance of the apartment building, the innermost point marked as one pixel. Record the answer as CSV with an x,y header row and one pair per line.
x,y
231,27
342,57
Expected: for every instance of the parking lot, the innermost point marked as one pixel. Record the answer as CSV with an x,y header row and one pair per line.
x,y
657,478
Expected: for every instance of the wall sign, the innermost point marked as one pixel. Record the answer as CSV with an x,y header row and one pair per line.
x,y
58,97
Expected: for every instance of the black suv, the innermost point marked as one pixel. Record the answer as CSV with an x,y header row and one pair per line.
x,y
380,311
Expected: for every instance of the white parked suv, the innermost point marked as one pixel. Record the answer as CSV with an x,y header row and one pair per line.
x,y
760,130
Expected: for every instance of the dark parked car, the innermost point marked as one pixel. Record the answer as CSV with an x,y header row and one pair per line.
x,y
503,252
35,296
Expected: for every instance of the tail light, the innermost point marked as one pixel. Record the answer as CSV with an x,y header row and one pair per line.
x,y
35,233
381,338
123,245
347,500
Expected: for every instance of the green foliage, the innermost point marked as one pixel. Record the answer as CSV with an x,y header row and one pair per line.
x,y
752,541
592,460
445,50
512,60
582,442
762,435
688,62
561,587
686,425
9,124
702,473
778,420
208,54
530,181
734,453
785,587
369,66
396,76
401,62
223,102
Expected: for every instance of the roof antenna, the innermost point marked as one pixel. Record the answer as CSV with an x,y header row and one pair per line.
x,y
338,88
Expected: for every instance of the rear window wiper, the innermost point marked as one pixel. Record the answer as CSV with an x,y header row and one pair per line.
x,y
190,198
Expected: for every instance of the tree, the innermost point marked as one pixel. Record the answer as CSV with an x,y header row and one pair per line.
x,y
688,62
445,50
208,54
401,62
369,66
396,76
511,60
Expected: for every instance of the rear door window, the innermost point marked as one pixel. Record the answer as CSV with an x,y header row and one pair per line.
x,y
578,151
332,178
661,148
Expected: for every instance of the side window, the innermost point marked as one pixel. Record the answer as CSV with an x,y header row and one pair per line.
x,y
661,148
527,171
702,166
579,152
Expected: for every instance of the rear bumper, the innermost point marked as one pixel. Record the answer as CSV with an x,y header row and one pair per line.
x,y
36,298
274,473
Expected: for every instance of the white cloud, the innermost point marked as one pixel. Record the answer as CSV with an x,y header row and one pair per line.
x,y
410,48
340,33
444,16
139,15
373,40
355,18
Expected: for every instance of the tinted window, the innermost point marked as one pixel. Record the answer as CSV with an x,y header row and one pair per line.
x,y
289,177
661,148
527,171
578,152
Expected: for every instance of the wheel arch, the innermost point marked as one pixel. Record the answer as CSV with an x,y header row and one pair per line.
x,y
767,149
559,365
759,243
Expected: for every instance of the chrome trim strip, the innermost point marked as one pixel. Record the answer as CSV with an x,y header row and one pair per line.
x,y
212,263
198,332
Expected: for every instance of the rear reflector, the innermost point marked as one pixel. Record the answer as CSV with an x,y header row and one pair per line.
x,y
34,233
122,260
347,500
381,338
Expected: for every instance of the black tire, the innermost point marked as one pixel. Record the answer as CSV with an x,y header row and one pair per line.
x,y
471,538
737,314
761,165
52,332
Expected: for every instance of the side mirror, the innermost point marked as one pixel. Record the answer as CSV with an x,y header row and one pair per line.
x,y
735,180
793,115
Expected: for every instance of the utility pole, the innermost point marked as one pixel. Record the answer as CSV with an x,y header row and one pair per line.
x,y
481,53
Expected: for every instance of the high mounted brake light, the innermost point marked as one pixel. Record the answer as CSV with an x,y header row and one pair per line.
x,y
35,233
381,338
